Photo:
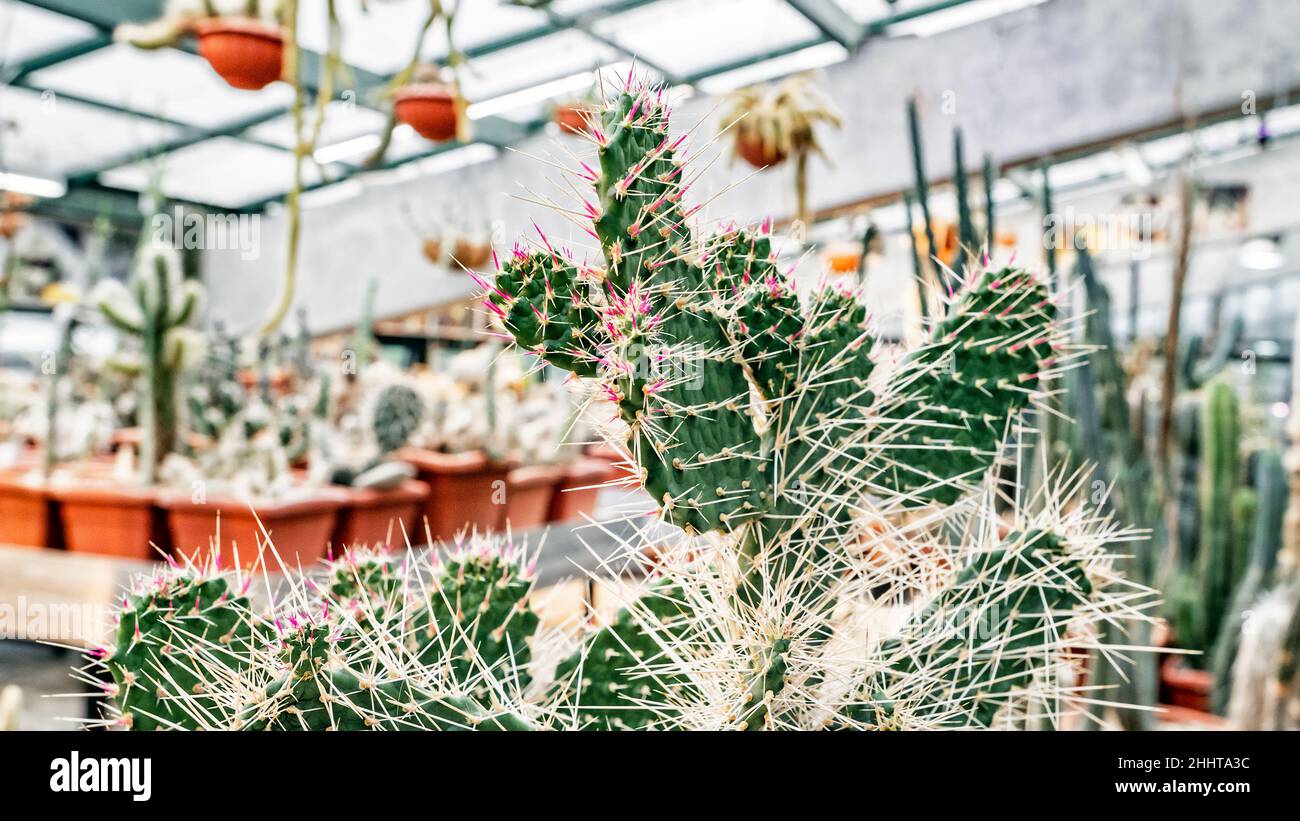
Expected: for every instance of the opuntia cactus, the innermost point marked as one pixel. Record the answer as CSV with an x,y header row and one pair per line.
x,y
755,418
174,629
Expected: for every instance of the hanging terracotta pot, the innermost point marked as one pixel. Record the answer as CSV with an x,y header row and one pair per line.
x,y
247,53
473,255
429,108
572,118
432,247
754,150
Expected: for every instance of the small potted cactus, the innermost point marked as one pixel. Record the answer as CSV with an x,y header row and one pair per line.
x,y
112,510
463,450
385,500
239,489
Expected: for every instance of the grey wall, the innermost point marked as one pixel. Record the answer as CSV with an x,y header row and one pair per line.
x,y
1026,84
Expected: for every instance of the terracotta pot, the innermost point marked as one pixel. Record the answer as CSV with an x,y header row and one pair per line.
x,y
371,517
429,108
248,54
471,254
572,119
530,491
575,495
300,529
1184,686
28,516
753,150
432,249
103,518
466,491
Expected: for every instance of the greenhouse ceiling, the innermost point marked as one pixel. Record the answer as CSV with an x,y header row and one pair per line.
x,y
84,121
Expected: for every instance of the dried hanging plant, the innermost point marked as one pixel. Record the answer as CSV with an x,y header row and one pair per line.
x,y
773,123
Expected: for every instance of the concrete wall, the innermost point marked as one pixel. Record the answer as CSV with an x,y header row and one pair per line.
x,y
1026,84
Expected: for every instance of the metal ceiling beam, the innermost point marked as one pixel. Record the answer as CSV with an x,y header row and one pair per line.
x,y
554,24
585,26
493,137
878,27
832,20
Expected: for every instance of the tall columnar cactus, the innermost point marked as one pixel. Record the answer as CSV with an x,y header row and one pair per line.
x,y
1220,560
757,422
154,308
1265,543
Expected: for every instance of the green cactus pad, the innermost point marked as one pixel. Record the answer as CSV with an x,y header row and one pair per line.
x,y
478,615
173,629
980,368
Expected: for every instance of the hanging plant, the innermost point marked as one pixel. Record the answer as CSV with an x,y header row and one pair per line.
x,y
246,52
774,123
572,117
246,47
434,109
426,100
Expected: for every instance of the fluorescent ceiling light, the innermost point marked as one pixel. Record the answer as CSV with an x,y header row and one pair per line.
x,y
456,158
533,94
805,59
954,17
354,147
1260,254
32,186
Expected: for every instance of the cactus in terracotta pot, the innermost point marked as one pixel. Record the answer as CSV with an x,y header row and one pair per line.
x,y
154,308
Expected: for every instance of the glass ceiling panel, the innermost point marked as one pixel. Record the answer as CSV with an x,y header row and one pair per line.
x,y
27,32
343,121
222,171
537,61
867,11
53,137
381,39
687,36
166,83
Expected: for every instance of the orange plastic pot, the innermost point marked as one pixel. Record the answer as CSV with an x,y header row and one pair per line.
x,y
111,521
429,108
248,54
466,491
300,530
377,517
575,495
28,516
530,491
757,152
